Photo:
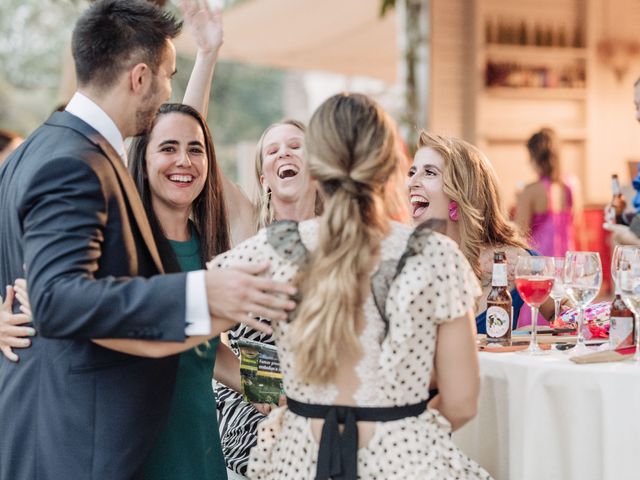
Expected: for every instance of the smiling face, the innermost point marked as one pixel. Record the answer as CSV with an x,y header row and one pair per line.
x,y
177,163
425,185
284,172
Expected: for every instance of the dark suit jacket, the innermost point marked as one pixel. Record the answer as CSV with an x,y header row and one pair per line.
x,y
72,221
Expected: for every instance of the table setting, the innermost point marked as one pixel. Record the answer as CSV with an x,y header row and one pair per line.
x,y
562,401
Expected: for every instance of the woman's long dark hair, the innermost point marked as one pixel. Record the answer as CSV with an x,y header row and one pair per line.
x,y
208,212
544,149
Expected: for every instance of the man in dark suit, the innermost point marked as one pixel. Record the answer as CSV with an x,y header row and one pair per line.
x,y
71,221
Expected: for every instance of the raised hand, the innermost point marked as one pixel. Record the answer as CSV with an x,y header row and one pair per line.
x,y
205,24
11,332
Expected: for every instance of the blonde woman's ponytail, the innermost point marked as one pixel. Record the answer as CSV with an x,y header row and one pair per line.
x,y
352,152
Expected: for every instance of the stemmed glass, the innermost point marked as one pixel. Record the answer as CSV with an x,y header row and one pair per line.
x,y
625,267
534,280
557,291
582,281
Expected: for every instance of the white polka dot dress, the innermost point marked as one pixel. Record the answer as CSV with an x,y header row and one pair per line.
x,y
435,284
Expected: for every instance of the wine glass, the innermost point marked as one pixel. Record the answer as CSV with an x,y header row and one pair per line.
x,y
534,280
557,291
625,267
582,281
619,260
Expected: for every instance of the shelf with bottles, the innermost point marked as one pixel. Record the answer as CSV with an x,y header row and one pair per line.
x,y
525,33
563,79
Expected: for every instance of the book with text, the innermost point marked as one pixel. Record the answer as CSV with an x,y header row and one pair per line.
x,y
260,373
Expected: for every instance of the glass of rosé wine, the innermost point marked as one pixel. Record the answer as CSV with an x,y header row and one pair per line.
x,y
534,281
582,281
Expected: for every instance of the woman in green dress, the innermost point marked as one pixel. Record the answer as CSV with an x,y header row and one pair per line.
x,y
179,181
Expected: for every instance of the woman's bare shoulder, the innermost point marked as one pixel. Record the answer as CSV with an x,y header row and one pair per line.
x,y
533,189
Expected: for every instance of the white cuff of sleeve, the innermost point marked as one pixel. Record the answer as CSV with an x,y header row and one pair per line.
x,y
197,314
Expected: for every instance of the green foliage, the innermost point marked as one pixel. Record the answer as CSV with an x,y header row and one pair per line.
x,y
32,34
245,100
387,5
35,33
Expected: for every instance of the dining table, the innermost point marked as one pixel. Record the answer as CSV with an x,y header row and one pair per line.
x,y
546,417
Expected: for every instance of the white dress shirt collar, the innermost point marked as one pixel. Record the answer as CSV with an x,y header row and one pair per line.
x,y
88,111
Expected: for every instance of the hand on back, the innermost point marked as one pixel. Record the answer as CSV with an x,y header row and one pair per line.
x,y
239,294
12,331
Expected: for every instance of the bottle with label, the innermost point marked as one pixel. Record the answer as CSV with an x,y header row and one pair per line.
x,y
499,308
614,210
490,35
621,324
523,34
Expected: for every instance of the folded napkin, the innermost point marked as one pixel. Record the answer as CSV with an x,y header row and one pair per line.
x,y
605,356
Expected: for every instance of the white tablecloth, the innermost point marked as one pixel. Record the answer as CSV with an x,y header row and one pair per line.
x,y
542,418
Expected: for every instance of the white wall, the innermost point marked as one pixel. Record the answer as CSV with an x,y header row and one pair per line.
x,y
613,131
612,134
450,48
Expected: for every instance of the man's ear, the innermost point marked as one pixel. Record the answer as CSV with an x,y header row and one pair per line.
x,y
139,78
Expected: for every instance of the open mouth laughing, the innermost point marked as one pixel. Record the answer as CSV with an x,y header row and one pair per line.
x,y
287,170
419,204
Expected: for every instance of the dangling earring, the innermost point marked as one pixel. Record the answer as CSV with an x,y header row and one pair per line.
x,y
453,211
271,215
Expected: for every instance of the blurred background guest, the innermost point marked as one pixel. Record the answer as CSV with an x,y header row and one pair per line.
x,y
9,141
545,208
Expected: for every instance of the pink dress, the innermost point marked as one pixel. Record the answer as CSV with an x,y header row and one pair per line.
x,y
552,231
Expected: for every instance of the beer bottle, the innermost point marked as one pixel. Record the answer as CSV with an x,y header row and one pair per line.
x,y
615,208
499,308
621,322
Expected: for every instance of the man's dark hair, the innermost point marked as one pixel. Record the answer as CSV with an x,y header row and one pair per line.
x,y
113,35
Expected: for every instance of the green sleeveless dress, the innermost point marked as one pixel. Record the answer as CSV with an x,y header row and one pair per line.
x,y
189,446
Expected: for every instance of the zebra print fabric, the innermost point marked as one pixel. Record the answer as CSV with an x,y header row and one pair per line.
x,y
237,419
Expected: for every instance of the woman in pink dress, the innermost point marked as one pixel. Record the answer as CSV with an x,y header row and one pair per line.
x,y
545,208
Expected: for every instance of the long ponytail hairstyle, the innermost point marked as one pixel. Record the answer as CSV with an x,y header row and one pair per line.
x,y
352,151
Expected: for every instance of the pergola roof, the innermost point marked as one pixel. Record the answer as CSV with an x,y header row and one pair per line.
x,y
343,36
